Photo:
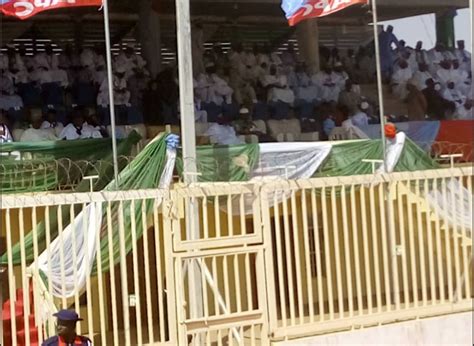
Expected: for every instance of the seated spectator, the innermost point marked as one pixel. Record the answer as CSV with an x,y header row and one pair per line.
x,y
326,82
460,78
444,74
212,88
79,129
94,122
36,134
416,103
349,98
360,118
277,87
400,78
303,87
223,133
8,99
329,124
340,75
466,112
5,134
438,107
453,95
51,122
200,115
421,76
245,126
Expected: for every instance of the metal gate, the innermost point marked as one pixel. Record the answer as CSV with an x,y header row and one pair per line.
x,y
217,265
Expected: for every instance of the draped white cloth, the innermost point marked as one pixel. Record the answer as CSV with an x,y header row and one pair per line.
x,y
393,152
454,205
76,246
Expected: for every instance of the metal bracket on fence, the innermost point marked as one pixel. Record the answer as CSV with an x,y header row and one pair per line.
x,y
373,162
91,179
399,250
451,158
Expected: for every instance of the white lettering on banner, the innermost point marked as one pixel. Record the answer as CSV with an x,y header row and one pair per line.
x,y
42,3
324,5
27,8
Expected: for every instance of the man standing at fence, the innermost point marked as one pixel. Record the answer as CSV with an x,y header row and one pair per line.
x,y
66,329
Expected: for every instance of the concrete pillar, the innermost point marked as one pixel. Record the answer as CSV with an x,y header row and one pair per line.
x,y
445,28
149,35
307,33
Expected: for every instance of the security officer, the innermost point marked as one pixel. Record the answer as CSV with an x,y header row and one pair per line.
x,y
66,329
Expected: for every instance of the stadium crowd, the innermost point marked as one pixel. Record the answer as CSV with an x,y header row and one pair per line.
x,y
242,84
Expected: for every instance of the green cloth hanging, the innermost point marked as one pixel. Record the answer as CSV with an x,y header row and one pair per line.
x,y
43,165
105,176
224,163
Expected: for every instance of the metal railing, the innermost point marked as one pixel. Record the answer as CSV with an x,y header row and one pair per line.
x,y
271,260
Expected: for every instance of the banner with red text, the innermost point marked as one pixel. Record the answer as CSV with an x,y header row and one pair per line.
x,y
298,10
24,9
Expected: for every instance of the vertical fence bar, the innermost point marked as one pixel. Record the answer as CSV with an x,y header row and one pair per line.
x,y
159,273
205,221
136,283
439,251
347,251
447,244
469,253
11,281
289,263
90,314
429,230
337,255
48,251
393,245
385,247
413,252
25,279
455,234
297,249
74,263
34,223
279,255
403,244
123,274
146,260
61,255
307,255
113,290
355,239
421,247
365,240
327,253
375,247
100,284
317,250
217,217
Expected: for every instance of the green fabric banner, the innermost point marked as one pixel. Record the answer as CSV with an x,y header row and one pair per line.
x,y
42,166
105,176
224,163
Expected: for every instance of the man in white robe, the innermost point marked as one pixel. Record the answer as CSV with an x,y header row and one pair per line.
x,y
445,73
325,81
460,77
421,76
360,118
79,129
223,133
451,93
304,89
36,134
400,78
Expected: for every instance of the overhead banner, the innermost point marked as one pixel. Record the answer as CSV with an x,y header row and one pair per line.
x,y
298,10
24,9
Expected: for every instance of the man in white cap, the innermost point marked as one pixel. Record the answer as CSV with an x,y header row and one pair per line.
x,y
278,89
360,118
36,134
303,87
340,75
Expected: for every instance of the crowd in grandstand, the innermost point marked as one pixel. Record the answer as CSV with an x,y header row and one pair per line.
x,y
244,83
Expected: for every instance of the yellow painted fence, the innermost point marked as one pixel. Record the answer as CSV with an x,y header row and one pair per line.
x,y
241,263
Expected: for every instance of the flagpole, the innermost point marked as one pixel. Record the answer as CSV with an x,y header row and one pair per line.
x,y
110,83
379,80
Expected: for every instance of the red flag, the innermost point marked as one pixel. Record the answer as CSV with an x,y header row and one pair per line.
x,y
24,9
320,8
